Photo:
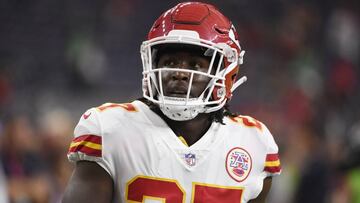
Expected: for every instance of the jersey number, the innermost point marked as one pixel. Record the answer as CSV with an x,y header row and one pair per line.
x,y
127,106
150,189
248,121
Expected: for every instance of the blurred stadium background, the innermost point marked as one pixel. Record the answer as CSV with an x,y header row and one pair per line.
x,y
61,57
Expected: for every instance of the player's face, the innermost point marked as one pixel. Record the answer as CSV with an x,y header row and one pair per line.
x,y
176,83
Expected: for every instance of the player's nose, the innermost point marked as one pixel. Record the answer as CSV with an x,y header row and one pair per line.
x,y
180,75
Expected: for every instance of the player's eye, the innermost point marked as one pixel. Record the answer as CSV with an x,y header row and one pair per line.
x,y
197,65
170,63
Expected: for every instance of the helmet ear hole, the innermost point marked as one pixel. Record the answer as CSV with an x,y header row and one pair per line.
x,y
215,93
233,77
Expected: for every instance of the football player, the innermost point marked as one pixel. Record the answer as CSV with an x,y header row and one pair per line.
x,y
179,143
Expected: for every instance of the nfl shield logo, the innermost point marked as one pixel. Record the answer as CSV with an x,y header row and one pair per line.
x,y
190,159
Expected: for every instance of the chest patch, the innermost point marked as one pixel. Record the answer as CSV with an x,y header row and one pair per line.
x,y
190,159
238,164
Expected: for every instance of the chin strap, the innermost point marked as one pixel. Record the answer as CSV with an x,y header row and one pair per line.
x,y
238,83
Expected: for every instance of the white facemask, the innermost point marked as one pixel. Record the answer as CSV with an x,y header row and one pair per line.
x,y
181,109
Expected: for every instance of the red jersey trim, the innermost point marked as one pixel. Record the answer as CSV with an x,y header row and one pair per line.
x,y
90,145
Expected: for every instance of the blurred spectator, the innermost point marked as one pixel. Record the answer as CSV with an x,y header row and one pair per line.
x,y
55,128
3,187
22,160
344,35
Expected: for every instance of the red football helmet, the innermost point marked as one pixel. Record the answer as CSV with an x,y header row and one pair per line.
x,y
197,24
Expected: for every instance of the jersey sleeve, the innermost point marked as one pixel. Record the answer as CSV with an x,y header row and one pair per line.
x,y
87,143
272,165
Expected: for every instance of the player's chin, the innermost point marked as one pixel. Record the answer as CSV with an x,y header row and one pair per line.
x,y
177,95
192,95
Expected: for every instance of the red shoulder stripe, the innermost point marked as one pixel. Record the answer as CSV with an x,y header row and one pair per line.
x,y
275,169
272,157
86,150
88,138
87,144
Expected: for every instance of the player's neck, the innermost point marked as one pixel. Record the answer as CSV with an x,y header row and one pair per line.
x,y
191,130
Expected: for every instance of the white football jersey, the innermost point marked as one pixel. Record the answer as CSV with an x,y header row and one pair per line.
x,y
149,163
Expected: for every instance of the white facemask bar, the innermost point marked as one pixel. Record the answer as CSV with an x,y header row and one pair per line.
x,y
158,87
152,83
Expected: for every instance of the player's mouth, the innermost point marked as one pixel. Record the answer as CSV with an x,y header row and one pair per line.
x,y
177,93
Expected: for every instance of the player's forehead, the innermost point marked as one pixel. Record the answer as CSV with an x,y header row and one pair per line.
x,y
180,50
